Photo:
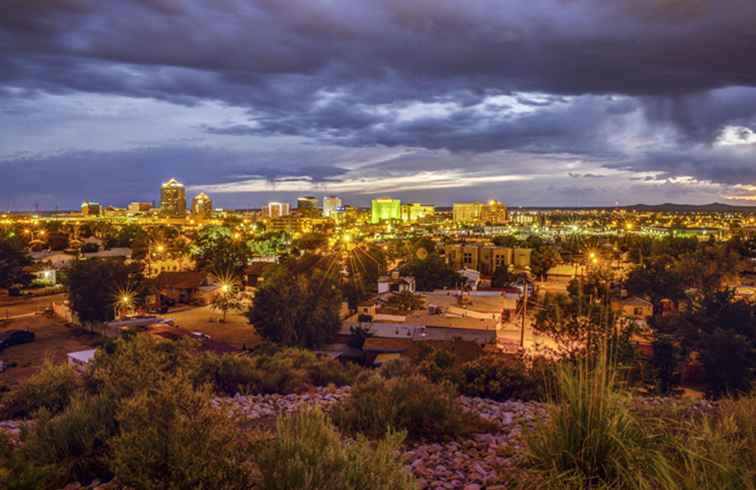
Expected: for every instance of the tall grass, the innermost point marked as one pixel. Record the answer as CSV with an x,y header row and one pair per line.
x,y
307,453
720,451
591,438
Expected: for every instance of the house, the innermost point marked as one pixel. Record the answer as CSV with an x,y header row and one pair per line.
x,y
181,287
633,307
396,284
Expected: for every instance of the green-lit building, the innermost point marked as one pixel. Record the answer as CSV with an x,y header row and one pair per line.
x,y
386,209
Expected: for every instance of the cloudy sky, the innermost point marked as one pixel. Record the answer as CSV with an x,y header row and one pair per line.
x,y
543,102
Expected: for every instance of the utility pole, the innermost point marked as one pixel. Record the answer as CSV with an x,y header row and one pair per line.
x,y
524,311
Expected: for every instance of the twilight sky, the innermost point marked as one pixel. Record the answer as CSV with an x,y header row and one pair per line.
x,y
538,102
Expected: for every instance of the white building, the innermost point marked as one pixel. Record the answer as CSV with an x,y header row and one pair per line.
x,y
331,206
277,209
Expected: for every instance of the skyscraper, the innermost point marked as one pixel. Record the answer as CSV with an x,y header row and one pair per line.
x,y
308,206
173,199
202,205
494,213
385,208
277,209
331,204
415,211
91,208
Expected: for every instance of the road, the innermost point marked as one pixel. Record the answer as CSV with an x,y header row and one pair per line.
x,y
19,307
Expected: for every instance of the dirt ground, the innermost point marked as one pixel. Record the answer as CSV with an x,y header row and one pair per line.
x,y
236,331
53,340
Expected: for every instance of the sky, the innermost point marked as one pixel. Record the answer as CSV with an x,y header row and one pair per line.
x,y
537,103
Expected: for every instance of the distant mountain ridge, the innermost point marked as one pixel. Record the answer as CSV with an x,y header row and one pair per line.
x,y
715,207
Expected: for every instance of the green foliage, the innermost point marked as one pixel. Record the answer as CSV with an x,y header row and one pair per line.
x,y
720,451
413,404
93,285
216,250
51,388
307,454
71,446
140,363
298,309
591,438
286,371
13,259
437,364
405,301
173,438
543,258
728,360
665,363
431,273
499,377
502,278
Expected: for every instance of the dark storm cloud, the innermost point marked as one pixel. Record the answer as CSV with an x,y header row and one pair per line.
x,y
345,72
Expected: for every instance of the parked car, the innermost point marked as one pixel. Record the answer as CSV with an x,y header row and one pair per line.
x,y
15,337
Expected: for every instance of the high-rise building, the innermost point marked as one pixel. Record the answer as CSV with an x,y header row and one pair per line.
x,y
277,209
331,205
202,205
415,211
139,207
466,212
173,199
385,208
91,208
307,202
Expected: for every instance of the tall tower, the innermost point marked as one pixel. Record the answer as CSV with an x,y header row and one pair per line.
x,y
173,199
385,209
202,206
331,205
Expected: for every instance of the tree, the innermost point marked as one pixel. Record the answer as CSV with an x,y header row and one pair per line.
x,y
665,362
216,249
298,309
405,301
728,360
502,277
13,259
93,287
657,280
227,297
543,259
431,273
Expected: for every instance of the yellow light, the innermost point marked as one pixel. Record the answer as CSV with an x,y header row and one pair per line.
x,y
592,255
237,236
161,248
225,288
125,299
347,238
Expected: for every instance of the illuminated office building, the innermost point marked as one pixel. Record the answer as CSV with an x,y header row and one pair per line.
x,y
173,199
202,205
385,209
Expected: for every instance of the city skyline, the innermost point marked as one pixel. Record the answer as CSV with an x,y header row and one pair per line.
x,y
555,103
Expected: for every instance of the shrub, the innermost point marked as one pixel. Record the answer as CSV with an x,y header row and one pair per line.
x,y
70,446
141,363
307,453
499,377
412,404
286,371
591,438
15,472
720,451
173,437
728,361
50,388
437,364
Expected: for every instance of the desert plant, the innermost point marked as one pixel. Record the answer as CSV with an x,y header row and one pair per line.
x,y
413,404
70,446
591,438
172,437
499,377
307,453
720,451
51,388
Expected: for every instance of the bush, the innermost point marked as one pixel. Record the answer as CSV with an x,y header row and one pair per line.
x,y
499,377
592,440
720,452
173,437
50,388
412,404
307,453
728,361
71,446
285,371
